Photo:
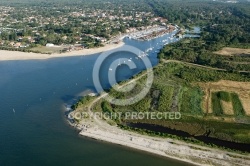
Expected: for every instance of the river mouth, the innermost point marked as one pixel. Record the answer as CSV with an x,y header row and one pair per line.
x,y
205,139
39,92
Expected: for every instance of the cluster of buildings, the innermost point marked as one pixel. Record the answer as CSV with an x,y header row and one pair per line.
x,y
30,25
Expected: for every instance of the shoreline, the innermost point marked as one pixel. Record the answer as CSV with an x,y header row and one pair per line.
x,y
104,139
125,141
165,147
6,55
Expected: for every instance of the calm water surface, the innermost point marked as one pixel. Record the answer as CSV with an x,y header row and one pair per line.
x,y
33,130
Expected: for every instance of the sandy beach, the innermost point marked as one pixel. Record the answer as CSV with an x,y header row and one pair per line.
x,y
174,149
16,55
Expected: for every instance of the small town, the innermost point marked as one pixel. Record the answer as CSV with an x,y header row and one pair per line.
x,y
72,28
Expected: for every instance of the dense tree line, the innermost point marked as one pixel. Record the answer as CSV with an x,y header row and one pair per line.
x,y
222,25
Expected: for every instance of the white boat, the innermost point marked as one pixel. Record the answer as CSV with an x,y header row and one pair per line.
x,y
119,62
68,107
110,69
151,48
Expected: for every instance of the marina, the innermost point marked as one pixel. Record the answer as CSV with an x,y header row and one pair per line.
x,y
151,33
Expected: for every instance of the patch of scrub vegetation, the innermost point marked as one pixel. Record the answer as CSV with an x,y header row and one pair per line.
x,y
82,101
191,101
237,105
200,128
229,131
142,106
166,98
216,105
196,74
106,107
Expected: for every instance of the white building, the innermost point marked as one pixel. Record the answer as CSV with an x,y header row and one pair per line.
x,y
50,45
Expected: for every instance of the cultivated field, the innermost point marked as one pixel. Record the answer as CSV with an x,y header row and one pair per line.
x,y
228,51
240,89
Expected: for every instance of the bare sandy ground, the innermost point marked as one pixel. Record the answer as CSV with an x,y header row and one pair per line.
x,y
196,155
228,51
16,55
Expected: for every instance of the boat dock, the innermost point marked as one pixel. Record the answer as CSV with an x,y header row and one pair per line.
x,y
151,33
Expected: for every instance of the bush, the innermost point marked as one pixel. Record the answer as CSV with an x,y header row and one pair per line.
x,y
165,100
